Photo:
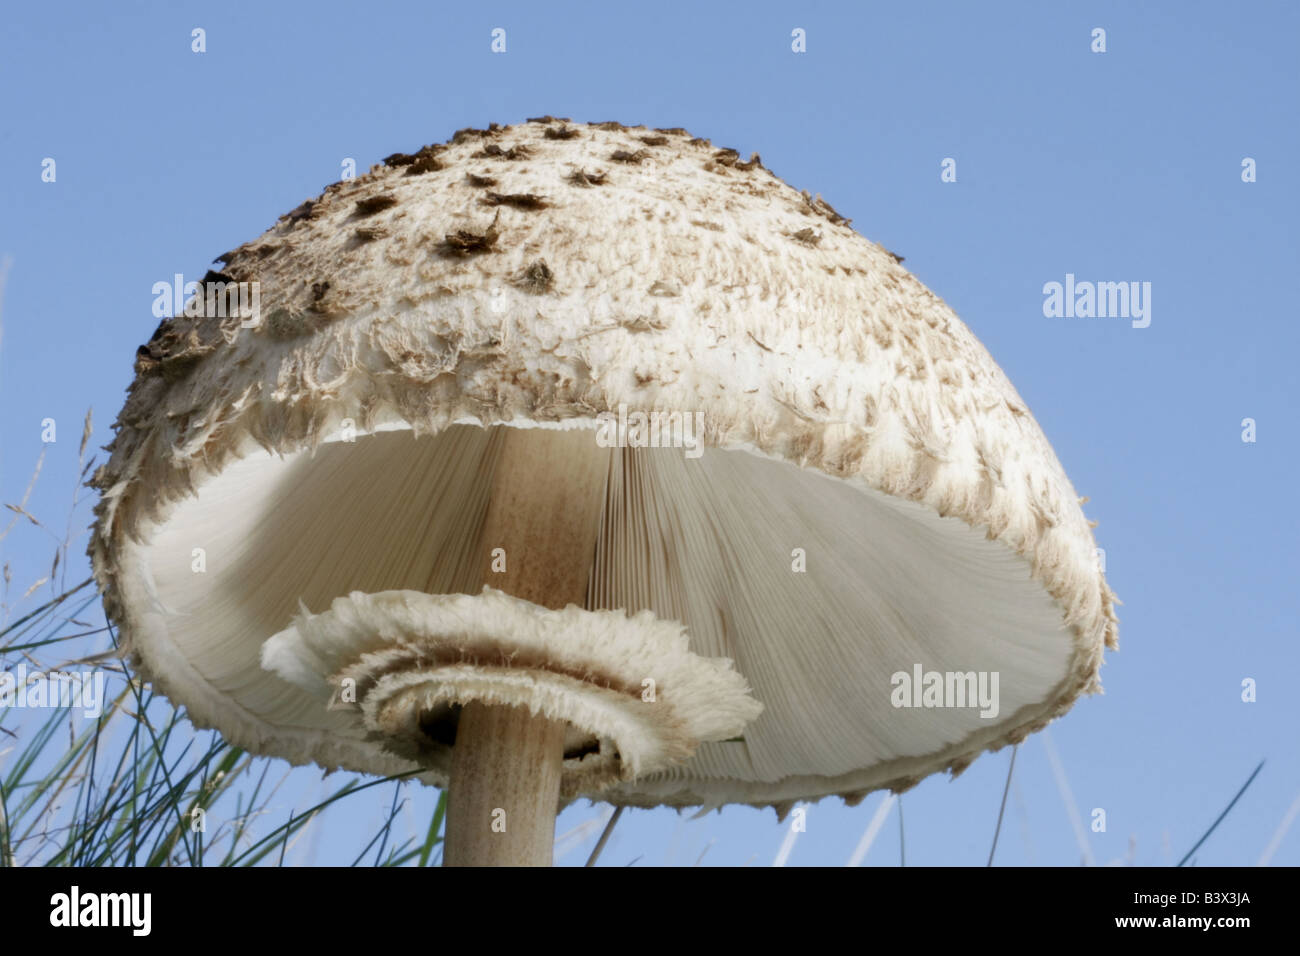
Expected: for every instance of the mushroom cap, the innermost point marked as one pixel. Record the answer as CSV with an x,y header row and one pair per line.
x,y
869,496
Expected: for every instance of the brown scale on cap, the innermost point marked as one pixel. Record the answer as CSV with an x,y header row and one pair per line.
x,y
631,157
515,200
301,212
423,161
583,178
537,278
373,204
466,243
469,133
493,151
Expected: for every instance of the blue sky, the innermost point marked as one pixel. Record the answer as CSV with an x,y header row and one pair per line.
x,y
1116,166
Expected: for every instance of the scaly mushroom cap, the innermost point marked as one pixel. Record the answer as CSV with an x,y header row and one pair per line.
x,y
869,495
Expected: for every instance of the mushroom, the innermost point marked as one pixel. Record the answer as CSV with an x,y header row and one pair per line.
x,y
602,464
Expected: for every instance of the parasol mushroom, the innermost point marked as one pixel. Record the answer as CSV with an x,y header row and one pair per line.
x,y
589,460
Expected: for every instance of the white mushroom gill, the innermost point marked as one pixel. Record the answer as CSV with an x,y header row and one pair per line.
x,y
705,541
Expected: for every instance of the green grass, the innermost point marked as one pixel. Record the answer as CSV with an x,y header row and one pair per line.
x,y
138,786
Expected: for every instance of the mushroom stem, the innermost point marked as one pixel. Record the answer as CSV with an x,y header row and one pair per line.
x,y
548,494
505,787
